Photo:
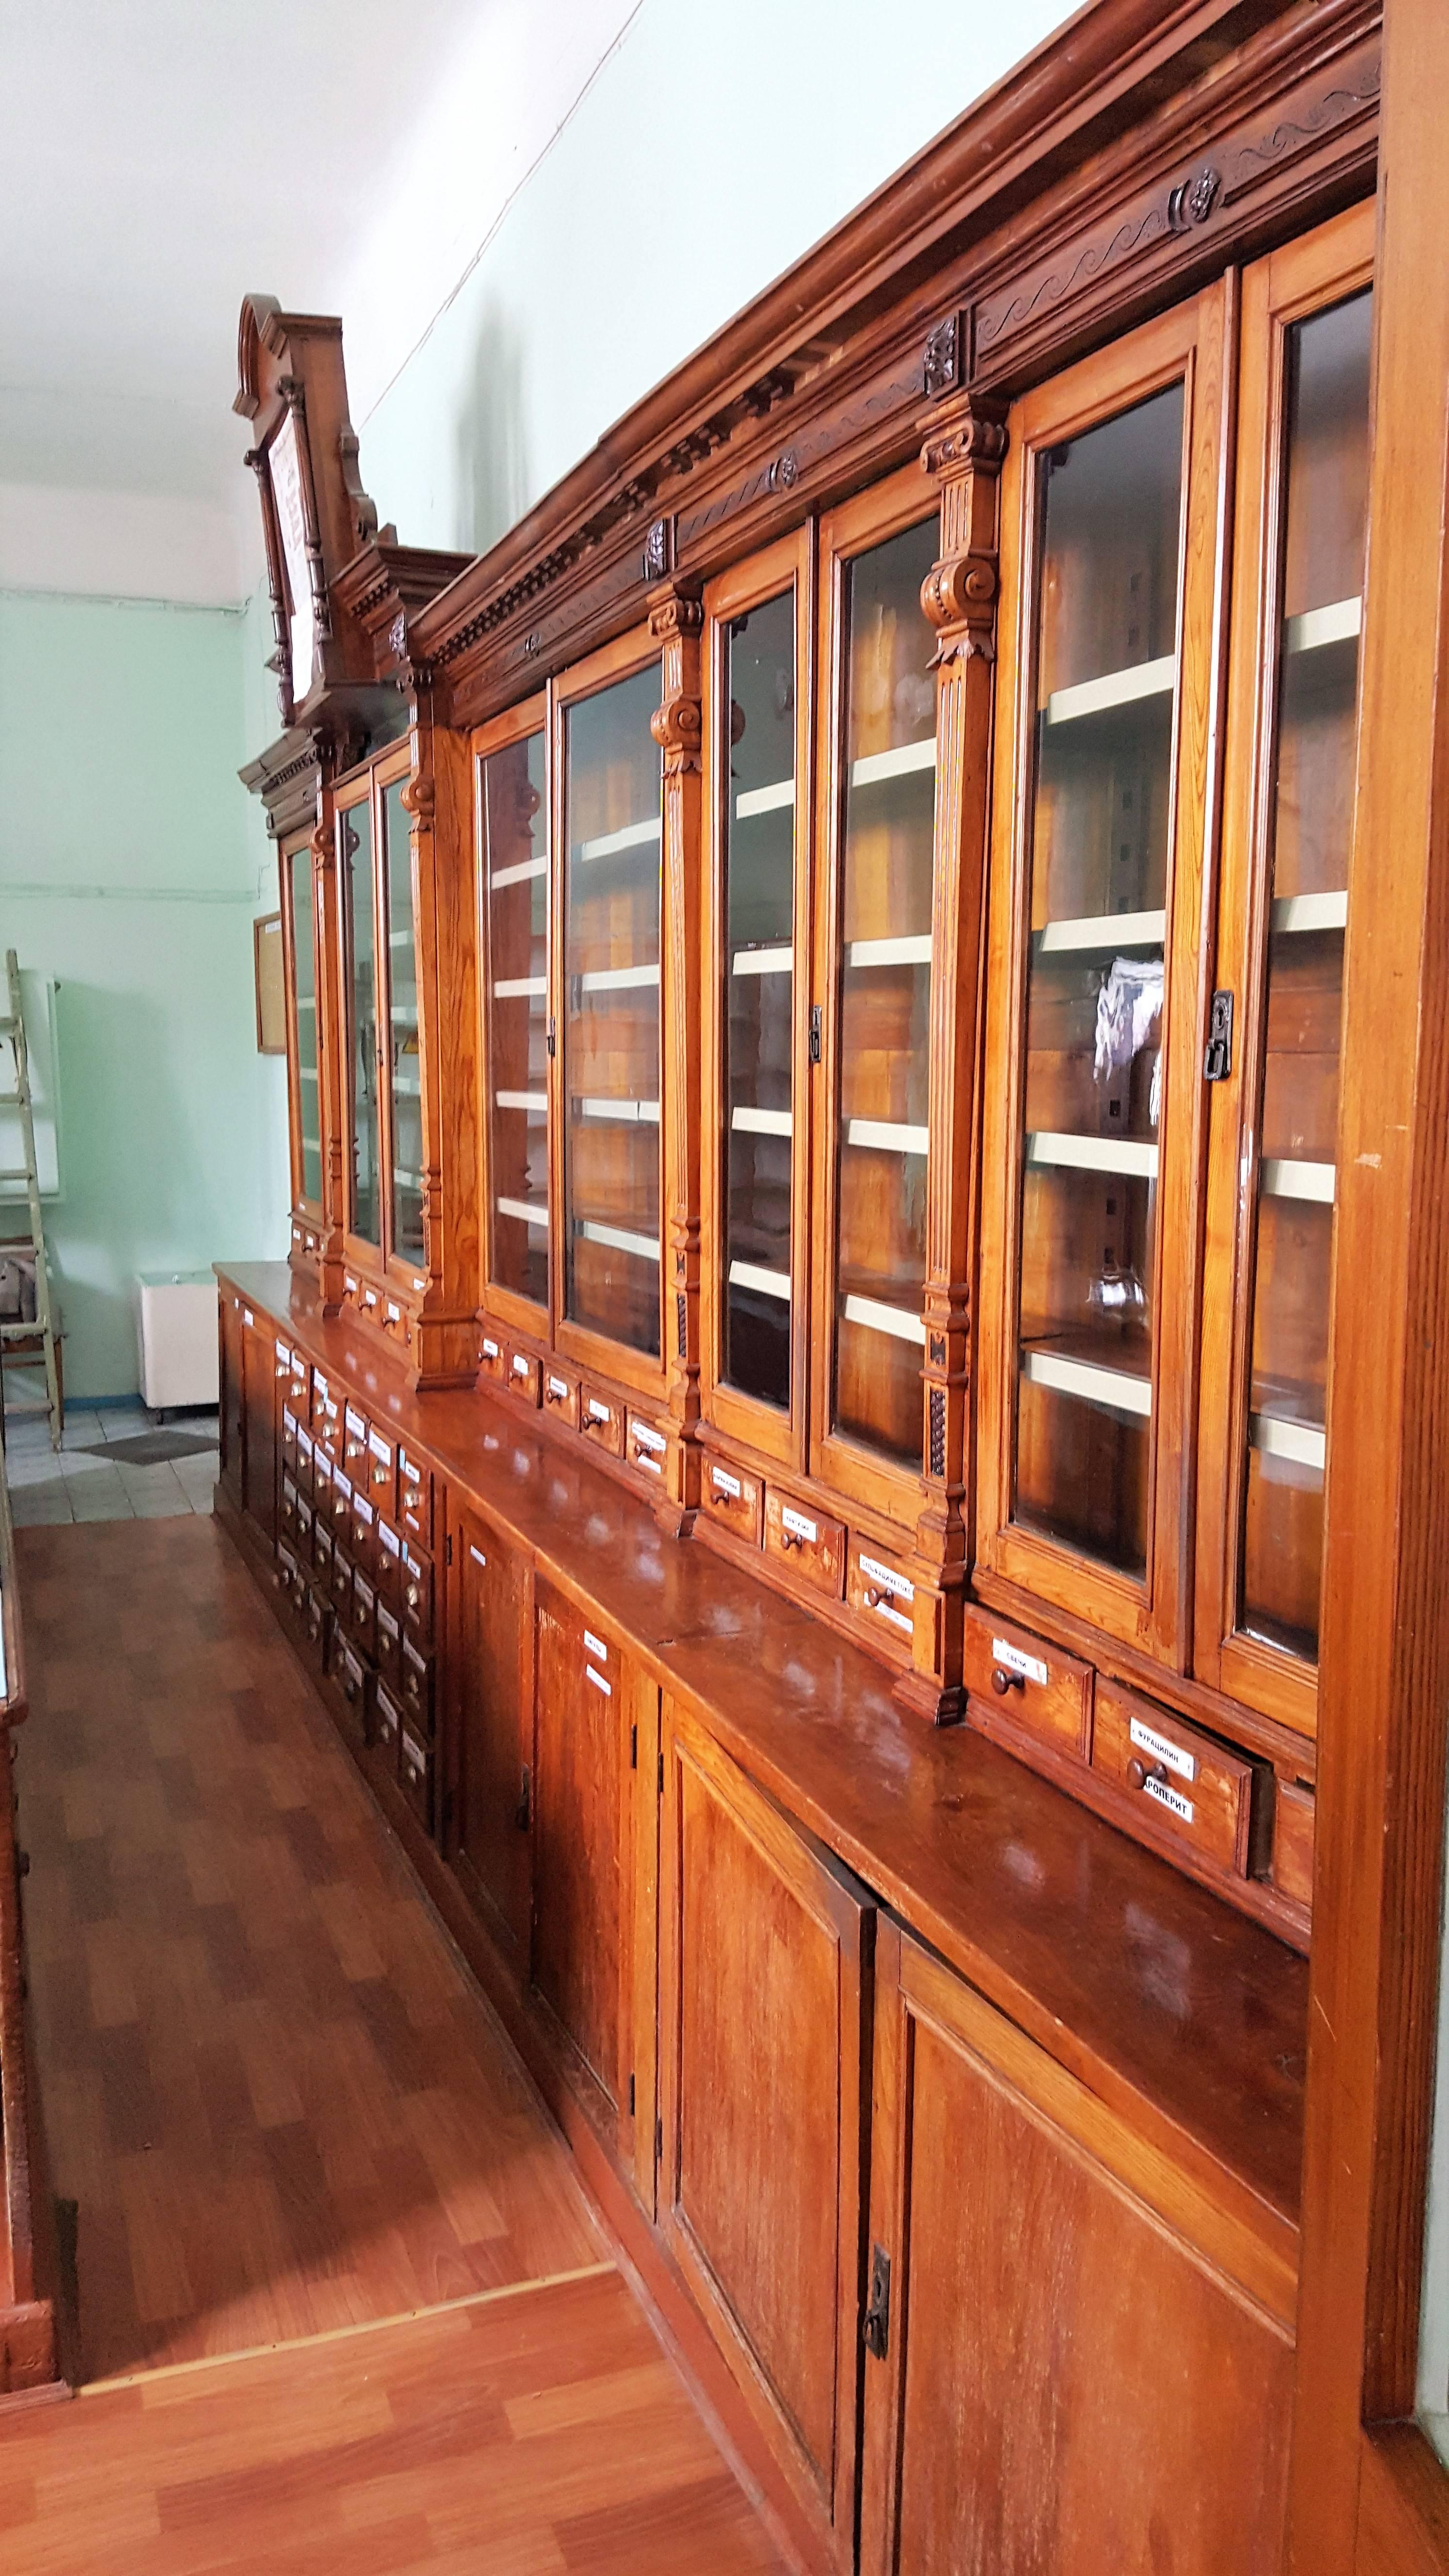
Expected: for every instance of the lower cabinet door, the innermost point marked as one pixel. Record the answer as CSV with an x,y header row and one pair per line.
x,y
1057,2383
764,1961
490,1602
230,1409
260,1443
594,1835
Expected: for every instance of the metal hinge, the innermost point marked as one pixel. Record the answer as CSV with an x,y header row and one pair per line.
x,y
815,1034
1217,1063
875,2332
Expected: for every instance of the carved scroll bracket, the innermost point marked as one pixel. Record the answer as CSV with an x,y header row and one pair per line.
x,y
676,621
963,453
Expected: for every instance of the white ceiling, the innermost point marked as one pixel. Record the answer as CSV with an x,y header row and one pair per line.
x,y
160,158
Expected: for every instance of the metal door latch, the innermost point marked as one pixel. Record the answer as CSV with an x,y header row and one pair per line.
x,y
522,1813
875,2332
1217,1063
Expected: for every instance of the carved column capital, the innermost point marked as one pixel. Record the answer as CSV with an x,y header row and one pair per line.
x,y
963,452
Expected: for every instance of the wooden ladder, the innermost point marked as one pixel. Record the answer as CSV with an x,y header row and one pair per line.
x,y
41,1325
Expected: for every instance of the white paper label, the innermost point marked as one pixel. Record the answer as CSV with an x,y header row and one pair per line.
x,y
490,1349
599,1412
343,1484
798,1526
1030,1667
321,1469
650,1465
362,1511
349,1283
1172,1799
520,1365
413,1474
247,1316
595,1646
356,1427
284,1355
559,1386
394,1313
886,1578
390,1539
598,1681
477,1555
1163,1750
380,1448
724,1484
386,1621
320,1383
420,1285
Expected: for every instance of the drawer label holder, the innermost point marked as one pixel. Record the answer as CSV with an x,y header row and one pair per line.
x,y
1030,1667
798,1526
1162,1749
724,1483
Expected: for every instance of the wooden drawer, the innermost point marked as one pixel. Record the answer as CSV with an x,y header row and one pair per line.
x,y
492,1358
1187,1786
287,1510
387,1720
322,1553
354,1443
415,1771
364,1530
301,1388
321,1484
283,1364
646,1446
327,1419
389,1644
416,1601
317,1620
1293,1842
416,1686
382,1472
415,1498
352,1673
364,1613
387,1562
809,1542
304,1470
561,1396
601,1420
880,1589
339,1506
733,1499
341,1581
525,1377
289,1441
1033,1685
304,1529
289,1571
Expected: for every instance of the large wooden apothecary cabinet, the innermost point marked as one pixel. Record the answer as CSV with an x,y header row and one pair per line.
x,y
849,1005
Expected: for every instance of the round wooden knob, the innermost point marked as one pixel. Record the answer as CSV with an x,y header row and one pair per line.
x,y
873,1599
1139,1773
1002,1681
551,1395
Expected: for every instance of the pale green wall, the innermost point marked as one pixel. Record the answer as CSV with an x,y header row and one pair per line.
x,y
131,867
713,149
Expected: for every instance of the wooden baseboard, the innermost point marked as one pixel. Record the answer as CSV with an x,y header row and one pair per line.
x,y
805,2542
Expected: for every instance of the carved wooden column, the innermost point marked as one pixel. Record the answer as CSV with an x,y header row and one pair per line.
x,y
963,450
446,1284
331,1023
676,621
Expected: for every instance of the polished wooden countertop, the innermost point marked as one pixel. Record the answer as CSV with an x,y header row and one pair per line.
x,y
1169,2005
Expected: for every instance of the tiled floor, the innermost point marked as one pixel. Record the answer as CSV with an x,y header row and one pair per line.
x,y
74,1484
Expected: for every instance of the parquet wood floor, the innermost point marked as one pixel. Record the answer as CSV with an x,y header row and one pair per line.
x,y
535,2434
266,2078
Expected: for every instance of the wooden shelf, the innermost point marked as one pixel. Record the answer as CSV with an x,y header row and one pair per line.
x,y
535,1102
617,1238
620,979
914,949
875,1316
1113,690
1275,1436
613,845
519,873
627,1113
887,1136
1101,932
525,1211
1304,912
1119,1390
520,988
762,1122
1316,627
875,767
1283,1178
1051,1150
774,799
768,1283
763,961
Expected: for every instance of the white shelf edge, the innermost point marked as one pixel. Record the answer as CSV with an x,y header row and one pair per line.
x,y
1338,623
874,767
763,961
520,873
618,1113
1272,1437
876,1317
887,1136
617,1238
913,949
532,1100
520,988
619,979
768,1283
1284,1178
525,1212
1298,912
762,1122
1047,1149
1115,1387
611,845
1102,931
764,800
1114,689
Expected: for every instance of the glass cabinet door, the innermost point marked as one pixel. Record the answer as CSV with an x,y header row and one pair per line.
x,y
1108,509
307,1069
359,929
515,882
613,829
405,1104
885,728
